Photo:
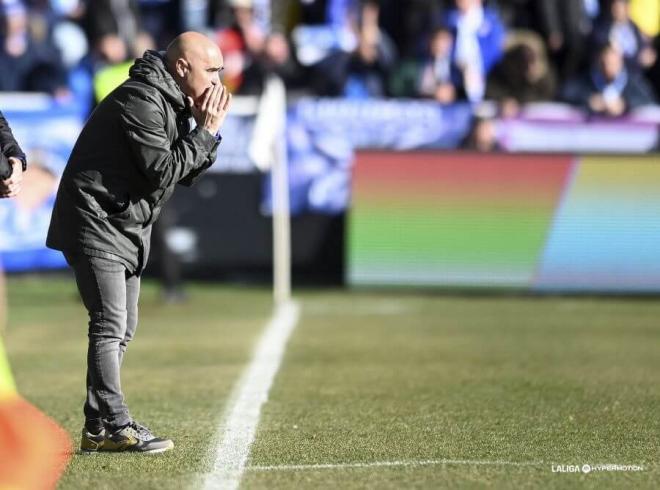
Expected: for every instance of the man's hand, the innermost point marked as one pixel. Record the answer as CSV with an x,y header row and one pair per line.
x,y
12,186
210,114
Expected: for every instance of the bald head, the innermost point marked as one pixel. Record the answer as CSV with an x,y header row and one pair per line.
x,y
195,62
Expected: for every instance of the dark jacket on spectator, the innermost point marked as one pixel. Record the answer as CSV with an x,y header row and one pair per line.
x,y
568,19
601,36
135,147
8,148
636,92
38,69
119,17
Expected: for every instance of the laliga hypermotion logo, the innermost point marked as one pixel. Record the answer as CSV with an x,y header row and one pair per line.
x,y
587,468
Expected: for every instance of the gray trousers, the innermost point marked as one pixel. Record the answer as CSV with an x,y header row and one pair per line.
x,y
110,294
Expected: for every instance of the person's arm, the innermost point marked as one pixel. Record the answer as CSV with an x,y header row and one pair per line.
x,y
163,163
10,147
12,161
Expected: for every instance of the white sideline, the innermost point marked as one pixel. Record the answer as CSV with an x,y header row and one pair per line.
x,y
238,427
376,464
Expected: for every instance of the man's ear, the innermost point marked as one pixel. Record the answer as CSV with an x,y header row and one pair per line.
x,y
182,67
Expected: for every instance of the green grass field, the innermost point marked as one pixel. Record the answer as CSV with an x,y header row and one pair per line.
x,y
382,389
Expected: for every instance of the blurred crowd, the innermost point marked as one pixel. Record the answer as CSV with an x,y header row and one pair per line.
x,y
600,55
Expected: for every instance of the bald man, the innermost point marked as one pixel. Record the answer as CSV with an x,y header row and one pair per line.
x,y
158,129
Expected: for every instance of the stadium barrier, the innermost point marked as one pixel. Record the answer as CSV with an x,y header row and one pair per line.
x,y
223,227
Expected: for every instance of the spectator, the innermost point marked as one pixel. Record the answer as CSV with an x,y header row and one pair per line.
x,y
435,78
363,73
325,27
523,75
278,59
617,28
408,21
566,26
242,44
27,63
115,60
479,41
609,89
370,64
112,17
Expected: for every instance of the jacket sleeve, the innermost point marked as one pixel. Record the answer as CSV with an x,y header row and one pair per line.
x,y
637,93
164,163
8,143
5,168
193,176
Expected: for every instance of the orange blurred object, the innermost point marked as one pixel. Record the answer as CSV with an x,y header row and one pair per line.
x,y
34,450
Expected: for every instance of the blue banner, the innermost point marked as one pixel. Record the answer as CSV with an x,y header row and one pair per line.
x,y
322,135
47,136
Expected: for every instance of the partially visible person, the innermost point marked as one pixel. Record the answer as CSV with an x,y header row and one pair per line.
x,y
408,23
363,72
371,63
609,88
436,77
166,259
28,63
117,17
320,29
618,28
242,44
566,26
523,75
478,45
278,59
12,161
115,60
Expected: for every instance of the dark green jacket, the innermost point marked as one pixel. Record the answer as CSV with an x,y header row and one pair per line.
x,y
135,147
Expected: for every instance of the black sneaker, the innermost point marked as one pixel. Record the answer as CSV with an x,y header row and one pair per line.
x,y
135,437
90,442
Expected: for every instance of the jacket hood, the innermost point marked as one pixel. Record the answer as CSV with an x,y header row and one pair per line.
x,y
151,69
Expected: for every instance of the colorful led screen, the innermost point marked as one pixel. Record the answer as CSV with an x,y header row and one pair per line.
x,y
545,222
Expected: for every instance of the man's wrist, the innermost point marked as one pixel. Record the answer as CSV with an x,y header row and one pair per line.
x,y
215,135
